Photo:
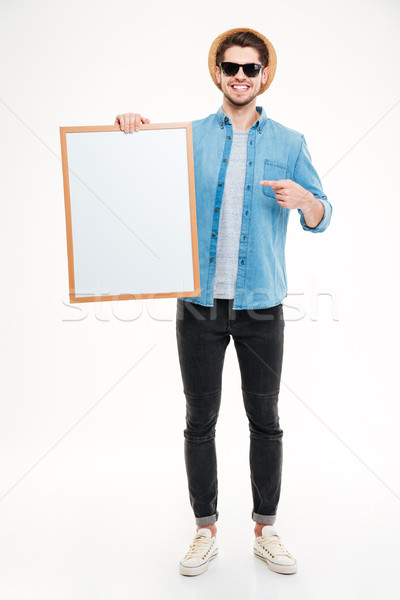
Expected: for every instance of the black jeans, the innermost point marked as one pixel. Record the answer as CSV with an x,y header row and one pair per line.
x,y
203,333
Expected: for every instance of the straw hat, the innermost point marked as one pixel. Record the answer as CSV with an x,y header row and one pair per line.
x,y
212,55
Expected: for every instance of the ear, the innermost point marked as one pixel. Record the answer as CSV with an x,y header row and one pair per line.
x,y
217,74
264,76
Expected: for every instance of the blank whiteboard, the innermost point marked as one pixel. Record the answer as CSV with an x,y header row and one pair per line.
x,y
130,212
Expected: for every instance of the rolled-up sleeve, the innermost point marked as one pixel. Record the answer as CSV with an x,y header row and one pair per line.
x,y
306,176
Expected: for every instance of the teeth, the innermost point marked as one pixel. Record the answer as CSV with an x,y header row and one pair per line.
x,y
240,87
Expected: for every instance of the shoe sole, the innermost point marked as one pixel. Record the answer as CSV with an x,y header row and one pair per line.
x,y
283,569
199,569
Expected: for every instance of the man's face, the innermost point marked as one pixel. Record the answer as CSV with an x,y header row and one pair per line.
x,y
239,89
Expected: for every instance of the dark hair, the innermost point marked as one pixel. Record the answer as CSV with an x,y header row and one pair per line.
x,y
244,39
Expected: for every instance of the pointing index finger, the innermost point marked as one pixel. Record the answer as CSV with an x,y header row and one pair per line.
x,y
273,183
267,182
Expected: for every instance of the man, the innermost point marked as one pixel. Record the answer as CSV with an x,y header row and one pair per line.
x,y
250,171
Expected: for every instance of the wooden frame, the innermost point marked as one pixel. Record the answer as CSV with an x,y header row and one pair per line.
x,y
76,181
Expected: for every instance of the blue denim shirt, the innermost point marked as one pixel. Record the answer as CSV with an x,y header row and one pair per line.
x,y
273,152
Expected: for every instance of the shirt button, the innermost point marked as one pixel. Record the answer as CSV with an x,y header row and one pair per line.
x,y
213,234
242,262
250,163
248,187
244,237
229,137
216,210
220,184
211,260
247,212
226,119
224,159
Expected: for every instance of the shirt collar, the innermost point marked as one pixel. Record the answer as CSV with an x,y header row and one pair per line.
x,y
259,125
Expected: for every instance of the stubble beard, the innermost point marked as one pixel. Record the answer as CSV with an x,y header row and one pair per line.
x,y
243,102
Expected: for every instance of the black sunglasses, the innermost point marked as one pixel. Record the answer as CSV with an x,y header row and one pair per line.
x,y
250,69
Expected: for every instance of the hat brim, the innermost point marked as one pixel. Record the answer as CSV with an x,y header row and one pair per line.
x,y
212,55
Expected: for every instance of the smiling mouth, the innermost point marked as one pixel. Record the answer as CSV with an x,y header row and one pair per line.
x,y
240,88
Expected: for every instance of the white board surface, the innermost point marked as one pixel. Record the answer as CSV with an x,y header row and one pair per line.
x,y
130,213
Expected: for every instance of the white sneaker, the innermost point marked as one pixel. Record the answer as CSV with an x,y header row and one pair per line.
x,y
203,549
268,547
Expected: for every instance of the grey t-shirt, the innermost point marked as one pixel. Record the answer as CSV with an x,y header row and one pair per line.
x,y
230,219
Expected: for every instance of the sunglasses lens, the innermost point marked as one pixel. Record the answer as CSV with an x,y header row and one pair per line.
x,y
230,69
250,70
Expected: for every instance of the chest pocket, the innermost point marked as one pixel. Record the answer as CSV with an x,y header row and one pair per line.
x,y
273,170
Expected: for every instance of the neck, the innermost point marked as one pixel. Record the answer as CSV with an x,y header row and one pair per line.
x,y
242,117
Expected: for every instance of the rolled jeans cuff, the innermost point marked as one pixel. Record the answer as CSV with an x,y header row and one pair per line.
x,y
263,519
210,520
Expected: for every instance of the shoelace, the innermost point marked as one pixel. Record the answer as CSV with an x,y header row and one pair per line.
x,y
274,544
199,545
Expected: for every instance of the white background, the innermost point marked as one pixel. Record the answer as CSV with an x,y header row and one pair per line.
x,y
94,502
